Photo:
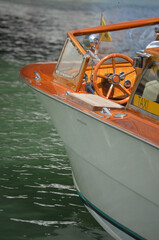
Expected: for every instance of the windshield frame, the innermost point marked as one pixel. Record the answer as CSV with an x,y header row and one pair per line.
x,y
73,82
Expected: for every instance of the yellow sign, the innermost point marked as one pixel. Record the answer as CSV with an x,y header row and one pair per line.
x,y
105,37
146,104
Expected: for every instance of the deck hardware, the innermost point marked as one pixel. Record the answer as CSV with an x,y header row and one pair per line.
x,y
106,111
37,76
120,115
67,92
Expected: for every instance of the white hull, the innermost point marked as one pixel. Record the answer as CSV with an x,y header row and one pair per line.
x,y
116,172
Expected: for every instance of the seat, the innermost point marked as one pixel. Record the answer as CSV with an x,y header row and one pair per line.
x,y
151,91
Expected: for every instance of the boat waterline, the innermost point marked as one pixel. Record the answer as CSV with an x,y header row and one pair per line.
x,y
108,223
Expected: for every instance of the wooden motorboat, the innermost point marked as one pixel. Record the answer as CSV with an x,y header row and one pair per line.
x,y
105,106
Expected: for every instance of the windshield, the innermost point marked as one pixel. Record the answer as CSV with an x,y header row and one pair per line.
x,y
127,41
70,61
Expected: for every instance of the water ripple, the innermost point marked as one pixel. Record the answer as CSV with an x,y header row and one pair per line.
x,y
10,188
52,185
16,197
44,223
48,205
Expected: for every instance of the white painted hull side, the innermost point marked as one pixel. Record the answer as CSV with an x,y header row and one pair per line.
x,y
116,172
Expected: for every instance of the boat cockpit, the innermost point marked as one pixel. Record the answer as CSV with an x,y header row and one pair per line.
x,y
103,63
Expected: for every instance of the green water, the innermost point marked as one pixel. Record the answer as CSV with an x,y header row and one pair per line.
x,y
37,196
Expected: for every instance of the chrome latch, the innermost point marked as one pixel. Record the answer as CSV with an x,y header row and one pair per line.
x,y
37,76
106,111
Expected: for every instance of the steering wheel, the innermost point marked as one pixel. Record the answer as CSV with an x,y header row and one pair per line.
x,y
113,78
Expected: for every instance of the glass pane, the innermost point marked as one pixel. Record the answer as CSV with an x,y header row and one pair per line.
x,y
127,41
147,93
70,62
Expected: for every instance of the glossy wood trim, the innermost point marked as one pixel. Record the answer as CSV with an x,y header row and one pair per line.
x,y
116,26
135,123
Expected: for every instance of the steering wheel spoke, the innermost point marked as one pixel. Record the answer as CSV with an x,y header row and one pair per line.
x,y
113,65
131,71
124,89
109,91
102,76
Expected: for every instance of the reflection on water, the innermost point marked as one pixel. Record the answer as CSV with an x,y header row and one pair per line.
x,y
37,197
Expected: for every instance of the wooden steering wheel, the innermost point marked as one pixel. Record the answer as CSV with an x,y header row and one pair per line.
x,y
113,78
